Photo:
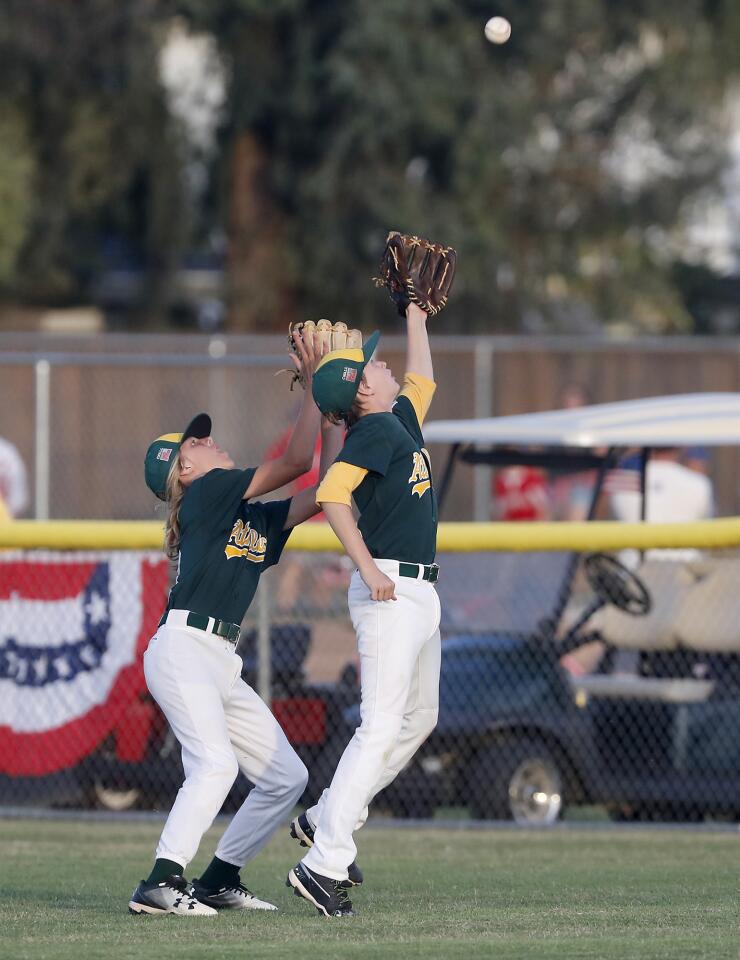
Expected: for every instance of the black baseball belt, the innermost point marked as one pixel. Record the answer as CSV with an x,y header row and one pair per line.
x,y
430,572
221,628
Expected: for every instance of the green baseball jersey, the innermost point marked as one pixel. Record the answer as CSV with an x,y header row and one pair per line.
x,y
225,544
396,499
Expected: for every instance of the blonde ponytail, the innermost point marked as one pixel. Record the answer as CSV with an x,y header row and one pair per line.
x,y
175,491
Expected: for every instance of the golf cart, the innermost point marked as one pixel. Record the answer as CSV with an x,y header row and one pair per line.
x,y
651,730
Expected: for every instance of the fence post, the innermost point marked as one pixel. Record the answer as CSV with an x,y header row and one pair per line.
x,y
482,407
43,434
264,679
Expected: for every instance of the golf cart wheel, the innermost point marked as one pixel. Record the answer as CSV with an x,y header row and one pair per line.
x,y
117,799
518,781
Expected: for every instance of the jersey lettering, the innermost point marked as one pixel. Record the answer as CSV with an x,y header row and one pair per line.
x,y
419,476
246,542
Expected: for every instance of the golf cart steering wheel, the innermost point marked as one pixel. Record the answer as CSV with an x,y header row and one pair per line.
x,y
614,583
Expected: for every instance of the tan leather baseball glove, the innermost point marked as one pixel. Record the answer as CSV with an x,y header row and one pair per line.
x,y
327,336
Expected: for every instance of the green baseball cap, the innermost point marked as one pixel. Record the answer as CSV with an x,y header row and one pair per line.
x,y
161,452
338,375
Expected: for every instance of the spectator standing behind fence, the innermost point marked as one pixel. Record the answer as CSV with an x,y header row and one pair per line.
x,y
526,493
13,482
306,480
307,578
520,493
674,493
570,494
292,568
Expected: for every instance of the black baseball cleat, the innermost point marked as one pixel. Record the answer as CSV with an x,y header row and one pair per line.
x,y
301,830
173,895
234,897
327,895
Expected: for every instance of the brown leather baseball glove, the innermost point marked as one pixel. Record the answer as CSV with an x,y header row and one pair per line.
x,y
418,271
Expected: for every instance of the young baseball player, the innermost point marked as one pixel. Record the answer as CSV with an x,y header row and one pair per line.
x,y
392,599
222,540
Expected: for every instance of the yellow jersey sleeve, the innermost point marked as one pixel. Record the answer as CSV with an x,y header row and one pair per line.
x,y
419,391
339,482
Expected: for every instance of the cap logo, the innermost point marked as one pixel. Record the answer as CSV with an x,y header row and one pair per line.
x,y
349,374
164,453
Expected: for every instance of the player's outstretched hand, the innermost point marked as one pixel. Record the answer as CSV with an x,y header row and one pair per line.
x,y
380,586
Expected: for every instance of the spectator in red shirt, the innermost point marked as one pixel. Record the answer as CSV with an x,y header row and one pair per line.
x,y
520,493
327,573
306,480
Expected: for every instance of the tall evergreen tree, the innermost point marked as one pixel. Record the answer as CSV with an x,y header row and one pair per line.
x,y
96,152
559,164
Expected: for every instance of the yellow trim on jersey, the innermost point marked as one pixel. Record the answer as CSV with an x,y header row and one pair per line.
x,y
245,552
170,438
355,354
339,482
419,391
421,488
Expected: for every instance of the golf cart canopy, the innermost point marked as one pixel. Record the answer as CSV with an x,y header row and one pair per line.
x,y
684,420
589,438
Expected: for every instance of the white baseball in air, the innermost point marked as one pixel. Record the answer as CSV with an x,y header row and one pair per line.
x,y
497,30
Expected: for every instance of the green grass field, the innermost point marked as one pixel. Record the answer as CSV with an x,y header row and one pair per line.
x,y
612,894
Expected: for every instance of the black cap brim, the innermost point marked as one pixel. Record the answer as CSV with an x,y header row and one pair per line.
x,y
199,427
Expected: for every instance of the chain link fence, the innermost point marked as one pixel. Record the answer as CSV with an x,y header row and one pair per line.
x,y
570,683
82,410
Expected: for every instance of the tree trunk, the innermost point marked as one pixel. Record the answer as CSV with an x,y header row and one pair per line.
x,y
258,282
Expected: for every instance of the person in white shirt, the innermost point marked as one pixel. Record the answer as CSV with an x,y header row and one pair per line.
x,y
13,479
674,494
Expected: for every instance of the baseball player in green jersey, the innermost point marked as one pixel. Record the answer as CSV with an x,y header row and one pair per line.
x,y
222,540
393,603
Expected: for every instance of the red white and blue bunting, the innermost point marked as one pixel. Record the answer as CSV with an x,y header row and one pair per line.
x,y
73,628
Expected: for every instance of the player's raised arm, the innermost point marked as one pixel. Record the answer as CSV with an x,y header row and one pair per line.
x,y
303,506
418,352
343,523
298,456
418,275
418,384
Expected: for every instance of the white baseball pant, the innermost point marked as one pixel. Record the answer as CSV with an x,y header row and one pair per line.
x,y
223,726
400,655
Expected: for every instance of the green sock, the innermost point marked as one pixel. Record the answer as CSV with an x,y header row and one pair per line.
x,y
163,869
219,873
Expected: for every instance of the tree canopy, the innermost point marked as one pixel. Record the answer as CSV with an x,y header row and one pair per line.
x,y
92,157
561,164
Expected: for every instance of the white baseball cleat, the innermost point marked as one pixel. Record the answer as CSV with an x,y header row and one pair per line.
x,y
173,895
